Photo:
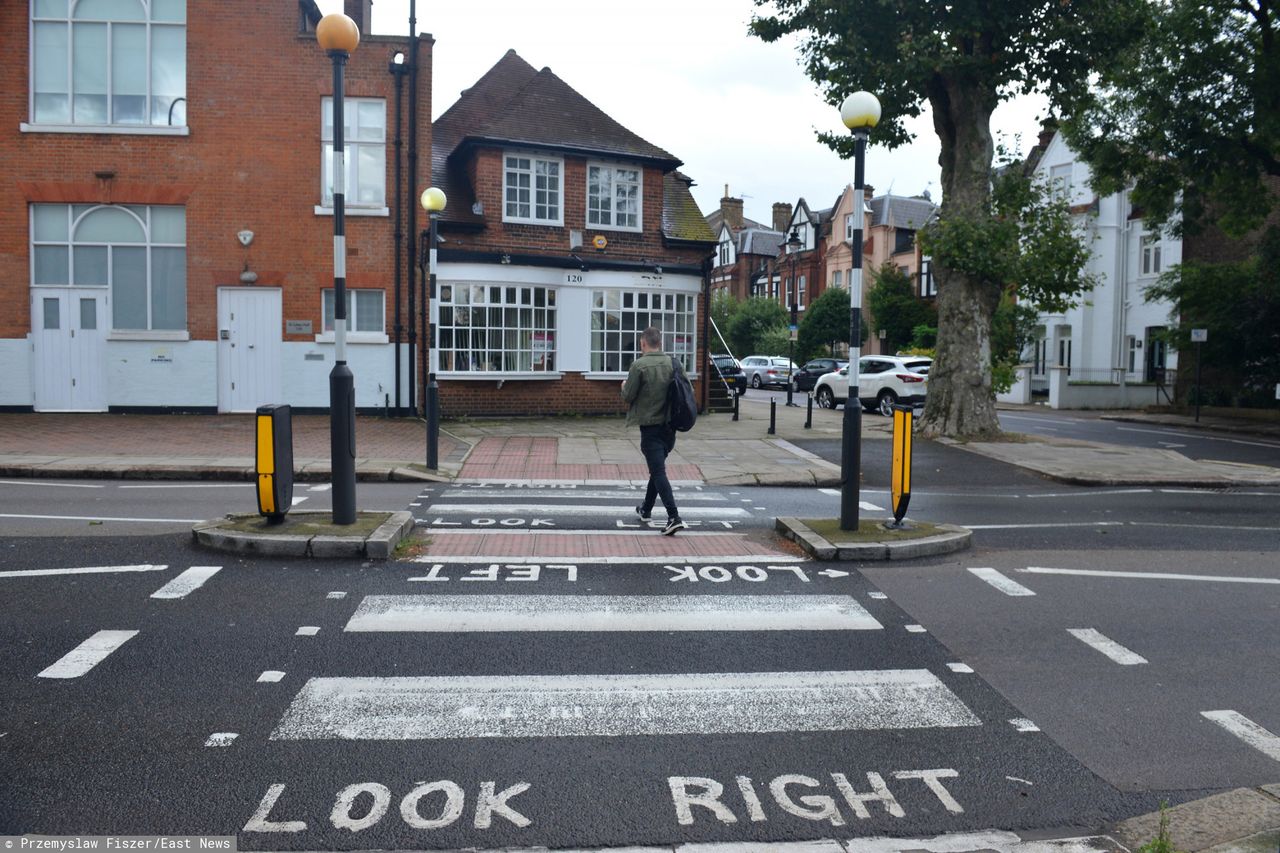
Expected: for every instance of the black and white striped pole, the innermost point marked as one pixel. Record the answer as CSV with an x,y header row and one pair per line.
x,y
433,201
338,35
860,112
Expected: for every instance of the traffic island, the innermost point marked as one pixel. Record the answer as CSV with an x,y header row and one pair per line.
x,y
824,540
307,534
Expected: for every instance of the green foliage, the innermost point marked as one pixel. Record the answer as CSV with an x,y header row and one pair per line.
x,y
1239,304
825,323
749,325
1013,328
923,337
1162,843
1190,116
776,341
723,306
895,307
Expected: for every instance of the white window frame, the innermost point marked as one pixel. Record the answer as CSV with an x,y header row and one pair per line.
x,y
800,292
146,126
74,219
1060,179
354,336
613,349
611,197
836,278
533,158
848,227
352,145
472,358
1151,253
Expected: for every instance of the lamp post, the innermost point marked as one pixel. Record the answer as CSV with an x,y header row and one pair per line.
x,y
433,201
398,69
793,246
860,112
338,35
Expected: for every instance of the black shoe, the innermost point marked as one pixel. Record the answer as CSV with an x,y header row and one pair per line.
x,y
673,525
643,513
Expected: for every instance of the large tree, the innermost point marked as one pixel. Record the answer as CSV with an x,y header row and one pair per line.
x,y
752,322
961,58
1190,117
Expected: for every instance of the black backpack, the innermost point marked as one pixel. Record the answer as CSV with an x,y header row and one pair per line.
x,y
682,409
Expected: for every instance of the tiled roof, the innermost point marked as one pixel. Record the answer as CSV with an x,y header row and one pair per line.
x,y
681,218
716,218
759,241
899,212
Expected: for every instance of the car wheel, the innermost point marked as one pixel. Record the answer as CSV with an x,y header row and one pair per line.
x,y
755,380
825,398
885,402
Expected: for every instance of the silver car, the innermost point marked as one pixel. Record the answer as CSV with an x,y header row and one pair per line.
x,y
762,370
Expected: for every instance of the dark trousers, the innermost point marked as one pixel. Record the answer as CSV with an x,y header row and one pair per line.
x,y
655,443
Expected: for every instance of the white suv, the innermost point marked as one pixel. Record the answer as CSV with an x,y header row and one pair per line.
x,y
883,381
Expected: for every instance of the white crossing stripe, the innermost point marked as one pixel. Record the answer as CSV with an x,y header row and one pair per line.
x,y
87,655
221,739
1155,576
336,595
960,667
271,676
915,629
1022,724
1107,646
520,510
307,631
465,613
1000,582
86,570
435,708
869,507
586,559
297,499
187,582
1247,730
571,494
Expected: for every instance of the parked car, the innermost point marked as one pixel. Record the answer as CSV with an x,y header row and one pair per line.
x,y
765,370
806,377
883,381
731,372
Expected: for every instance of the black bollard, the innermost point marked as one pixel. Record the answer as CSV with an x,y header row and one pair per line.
x,y
808,421
773,416
736,398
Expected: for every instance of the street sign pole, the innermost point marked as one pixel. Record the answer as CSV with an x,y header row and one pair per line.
x,y
1198,337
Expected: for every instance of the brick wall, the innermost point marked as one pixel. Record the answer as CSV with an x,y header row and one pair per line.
x,y
251,161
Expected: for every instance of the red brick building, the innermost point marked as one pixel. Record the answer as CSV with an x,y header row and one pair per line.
x,y
166,228
565,235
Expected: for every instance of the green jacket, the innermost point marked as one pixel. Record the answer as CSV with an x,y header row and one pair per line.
x,y
646,389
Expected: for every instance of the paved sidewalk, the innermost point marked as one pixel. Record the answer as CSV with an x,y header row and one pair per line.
x,y
719,450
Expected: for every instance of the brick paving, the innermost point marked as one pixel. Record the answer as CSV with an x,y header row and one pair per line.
x,y
533,458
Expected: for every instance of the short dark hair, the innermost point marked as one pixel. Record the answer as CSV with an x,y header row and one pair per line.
x,y
652,337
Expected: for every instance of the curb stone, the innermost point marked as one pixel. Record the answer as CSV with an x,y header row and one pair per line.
x,y
953,538
378,545
1233,816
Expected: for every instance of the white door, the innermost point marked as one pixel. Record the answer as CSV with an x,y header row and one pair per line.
x,y
69,338
249,348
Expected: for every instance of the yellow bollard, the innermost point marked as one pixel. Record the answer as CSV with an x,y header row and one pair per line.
x,y
901,475
274,458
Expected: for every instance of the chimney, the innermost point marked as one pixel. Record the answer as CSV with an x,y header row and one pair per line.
x,y
781,216
731,210
1048,128
360,12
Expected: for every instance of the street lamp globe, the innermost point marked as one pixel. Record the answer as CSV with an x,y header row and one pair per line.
x,y
337,32
433,200
860,111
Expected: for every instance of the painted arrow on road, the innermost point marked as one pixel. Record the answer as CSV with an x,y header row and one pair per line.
x,y
833,573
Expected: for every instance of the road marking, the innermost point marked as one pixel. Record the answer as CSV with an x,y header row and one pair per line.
x,y
1247,730
877,595
604,613
1107,646
271,676
297,499
87,655
520,510
336,595
915,629
1201,437
1039,420
1038,570
52,485
1051,524
1090,494
571,494
1232,494
1022,724
610,561
1000,582
306,631
1200,526
221,739
436,708
102,518
960,667
321,487
869,507
187,582
86,570
192,486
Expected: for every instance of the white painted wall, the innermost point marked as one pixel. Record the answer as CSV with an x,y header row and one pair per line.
x,y
15,368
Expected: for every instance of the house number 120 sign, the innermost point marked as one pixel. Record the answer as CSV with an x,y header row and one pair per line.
x,y
573,278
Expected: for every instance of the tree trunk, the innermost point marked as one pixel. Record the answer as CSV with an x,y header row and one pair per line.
x,y
960,401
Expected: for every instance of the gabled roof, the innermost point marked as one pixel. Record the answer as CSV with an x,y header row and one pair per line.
x,y
899,212
716,218
759,241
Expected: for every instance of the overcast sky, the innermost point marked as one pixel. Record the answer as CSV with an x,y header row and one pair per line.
x,y
686,76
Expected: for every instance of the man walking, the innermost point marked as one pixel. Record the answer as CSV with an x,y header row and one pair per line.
x,y
645,391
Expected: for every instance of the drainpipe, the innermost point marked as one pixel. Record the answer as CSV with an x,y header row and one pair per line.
x,y
706,332
411,203
398,70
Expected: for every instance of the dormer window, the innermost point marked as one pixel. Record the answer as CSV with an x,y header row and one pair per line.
x,y
532,189
613,197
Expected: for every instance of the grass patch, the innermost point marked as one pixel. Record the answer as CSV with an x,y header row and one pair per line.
x,y
868,530
317,524
1162,843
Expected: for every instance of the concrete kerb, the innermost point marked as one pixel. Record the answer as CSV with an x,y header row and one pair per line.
x,y
1235,820
378,545
953,538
